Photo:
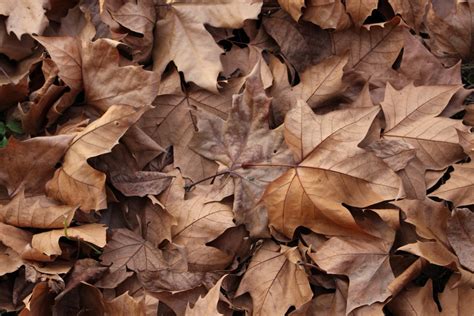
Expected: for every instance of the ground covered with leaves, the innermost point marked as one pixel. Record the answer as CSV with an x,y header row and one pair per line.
x,y
238,157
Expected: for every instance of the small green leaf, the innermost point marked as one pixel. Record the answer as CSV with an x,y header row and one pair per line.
x,y
2,128
15,127
3,141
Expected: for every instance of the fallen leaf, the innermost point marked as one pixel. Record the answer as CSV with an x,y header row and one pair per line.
x,y
293,7
274,272
182,28
207,305
245,138
10,261
459,187
460,232
360,9
48,242
29,164
451,35
24,17
331,168
303,44
124,305
327,14
415,301
76,182
372,48
411,115
36,212
126,248
363,260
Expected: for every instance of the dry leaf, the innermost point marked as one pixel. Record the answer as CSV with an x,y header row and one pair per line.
x,y
412,116
48,242
460,234
76,182
293,7
364,260
207,305
274,272
24,17
31,163
36,212
182,28
332,169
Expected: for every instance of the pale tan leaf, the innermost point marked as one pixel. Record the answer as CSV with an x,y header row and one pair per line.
x,y
411,116
461,236
76,182
415,301
332,169
207,305
373,48
293,7
124,305
411,11
25,16
48,242
10,261
66,53
459,188
360,9
36,212
275,281
327,14
199,222
184,40
364,260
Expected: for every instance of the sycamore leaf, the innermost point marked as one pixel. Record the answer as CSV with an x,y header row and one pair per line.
x,y
373,48
415,301
459,188
66,53
10,261
293,7
303,44
125,305
451,35
365,260
48,242
207,305
318,83
127,249
76,182
199,222
429,218
36,212
170,122
332,168
412,11
244,138
24,16
461,235
94,67
30,163
275,281
327,14
107,84
455,299
184,39
360,9
411,116
141,183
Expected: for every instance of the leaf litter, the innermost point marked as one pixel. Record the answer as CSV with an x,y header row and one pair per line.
x,y
250,157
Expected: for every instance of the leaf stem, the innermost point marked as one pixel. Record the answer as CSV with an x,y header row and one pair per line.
x,y
189,186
